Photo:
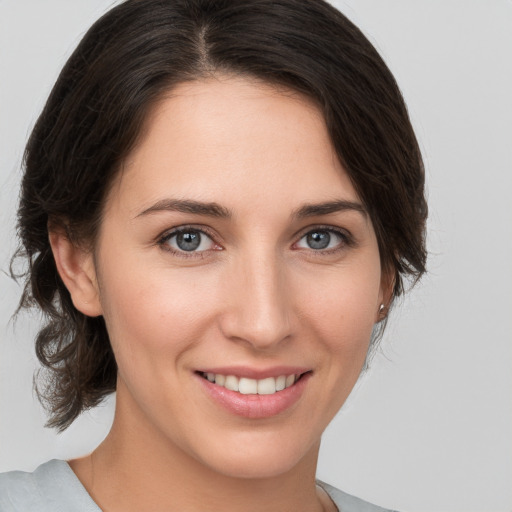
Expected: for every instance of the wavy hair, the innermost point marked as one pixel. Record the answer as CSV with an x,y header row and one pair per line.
x,y
127,60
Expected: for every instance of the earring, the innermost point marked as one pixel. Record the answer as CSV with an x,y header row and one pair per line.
x,y
382,310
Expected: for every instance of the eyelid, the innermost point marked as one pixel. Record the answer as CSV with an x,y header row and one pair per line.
x,y
169,233
344,234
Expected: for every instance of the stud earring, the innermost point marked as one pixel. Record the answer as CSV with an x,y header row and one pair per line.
x,y
382,310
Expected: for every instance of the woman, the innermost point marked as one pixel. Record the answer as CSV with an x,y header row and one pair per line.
x,y
221,201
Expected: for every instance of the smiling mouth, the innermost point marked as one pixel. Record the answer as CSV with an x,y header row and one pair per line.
x,y
246,386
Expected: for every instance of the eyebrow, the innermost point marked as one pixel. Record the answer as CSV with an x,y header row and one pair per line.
x,y
340,205
216,210
188,206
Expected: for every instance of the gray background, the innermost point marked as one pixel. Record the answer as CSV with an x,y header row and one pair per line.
x,y
430,427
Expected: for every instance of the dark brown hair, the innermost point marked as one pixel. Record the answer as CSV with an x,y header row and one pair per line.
x,y
126,61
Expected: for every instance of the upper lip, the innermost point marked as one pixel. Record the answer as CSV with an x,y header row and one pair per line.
x,y
256,373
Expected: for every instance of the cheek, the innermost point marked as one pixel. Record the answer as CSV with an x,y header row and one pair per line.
x,y
153,312
342,308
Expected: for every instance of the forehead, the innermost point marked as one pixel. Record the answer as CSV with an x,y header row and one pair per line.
x,y
234,141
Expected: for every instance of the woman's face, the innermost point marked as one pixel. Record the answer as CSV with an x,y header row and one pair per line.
x,y
235,247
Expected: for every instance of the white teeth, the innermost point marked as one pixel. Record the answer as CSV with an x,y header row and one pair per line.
x,y
231,383
290,380
280,383
246,386
267,386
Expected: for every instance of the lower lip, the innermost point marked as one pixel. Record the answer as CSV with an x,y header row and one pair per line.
x,y
255,406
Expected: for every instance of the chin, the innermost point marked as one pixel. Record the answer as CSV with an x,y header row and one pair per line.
x,y
261,467
260,457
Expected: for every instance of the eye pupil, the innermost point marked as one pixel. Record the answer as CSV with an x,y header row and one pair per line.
x,y
318,239
188,240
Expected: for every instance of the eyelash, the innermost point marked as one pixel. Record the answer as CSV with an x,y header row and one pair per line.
x,y
162,241
345,237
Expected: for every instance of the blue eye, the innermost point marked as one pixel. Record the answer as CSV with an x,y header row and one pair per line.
x,y
321,239
189,240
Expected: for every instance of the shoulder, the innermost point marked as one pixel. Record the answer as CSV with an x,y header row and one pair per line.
x,y
348,503
52,487
19,491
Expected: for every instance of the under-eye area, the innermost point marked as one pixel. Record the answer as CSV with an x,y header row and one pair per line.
x,y
246,386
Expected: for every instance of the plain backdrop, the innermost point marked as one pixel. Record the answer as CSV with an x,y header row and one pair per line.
x,y
429,428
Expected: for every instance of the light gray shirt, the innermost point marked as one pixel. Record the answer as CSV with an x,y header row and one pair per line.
x,y
53,487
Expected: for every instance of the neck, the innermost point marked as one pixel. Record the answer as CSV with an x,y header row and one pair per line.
x,y
138,468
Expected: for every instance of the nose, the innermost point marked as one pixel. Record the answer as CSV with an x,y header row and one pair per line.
x,y
260,305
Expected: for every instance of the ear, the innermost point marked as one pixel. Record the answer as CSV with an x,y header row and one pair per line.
x,y
387,285
77,270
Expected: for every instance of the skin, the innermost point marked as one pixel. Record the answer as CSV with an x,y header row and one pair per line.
x,y
257,295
